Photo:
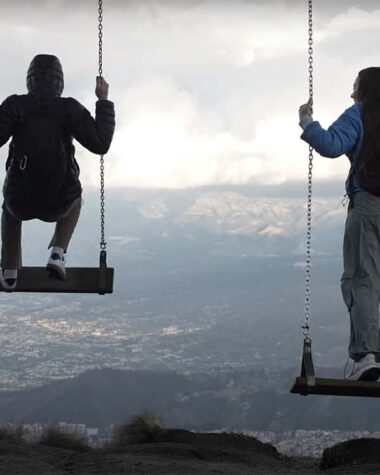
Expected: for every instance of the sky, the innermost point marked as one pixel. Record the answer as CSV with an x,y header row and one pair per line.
x,y
206,91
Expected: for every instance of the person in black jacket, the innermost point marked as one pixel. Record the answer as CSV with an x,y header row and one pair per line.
x,y
42,179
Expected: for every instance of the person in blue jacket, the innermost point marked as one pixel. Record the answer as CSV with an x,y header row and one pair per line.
x,y
356,133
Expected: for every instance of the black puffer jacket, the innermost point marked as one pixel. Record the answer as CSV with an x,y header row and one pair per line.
x,y
77,123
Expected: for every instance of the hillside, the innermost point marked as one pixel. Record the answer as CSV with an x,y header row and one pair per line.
x,y
252,400
163,459
183,452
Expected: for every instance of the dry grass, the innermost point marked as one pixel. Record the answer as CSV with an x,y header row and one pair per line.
x,y
141,429
12,433
55,436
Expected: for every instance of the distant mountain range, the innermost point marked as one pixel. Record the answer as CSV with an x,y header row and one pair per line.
x,y
254,399
216,215
150,226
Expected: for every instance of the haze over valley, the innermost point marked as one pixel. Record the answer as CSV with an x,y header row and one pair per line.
x,y
206,279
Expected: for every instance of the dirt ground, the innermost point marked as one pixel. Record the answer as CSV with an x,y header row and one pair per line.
x,y
148,461
163,459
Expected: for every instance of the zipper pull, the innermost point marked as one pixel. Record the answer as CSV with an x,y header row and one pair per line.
x,y
23,162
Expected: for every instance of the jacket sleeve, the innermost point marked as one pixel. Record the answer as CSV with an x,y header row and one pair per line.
x,y
9,116
340,138
94,134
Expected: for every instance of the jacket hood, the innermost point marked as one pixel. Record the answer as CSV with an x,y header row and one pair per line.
x,y
45,78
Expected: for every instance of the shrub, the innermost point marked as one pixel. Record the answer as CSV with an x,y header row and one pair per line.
x,y
12,433
55,436
141,429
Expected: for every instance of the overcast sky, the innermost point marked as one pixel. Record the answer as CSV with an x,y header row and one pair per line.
x,y
206,92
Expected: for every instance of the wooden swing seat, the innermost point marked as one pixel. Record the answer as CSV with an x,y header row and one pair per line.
x,y
83,280
336,387
307,383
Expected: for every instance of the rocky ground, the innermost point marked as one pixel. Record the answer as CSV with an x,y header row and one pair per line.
x,y
208,454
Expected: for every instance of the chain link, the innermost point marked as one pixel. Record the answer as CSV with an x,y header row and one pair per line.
x,y
103,244
306,325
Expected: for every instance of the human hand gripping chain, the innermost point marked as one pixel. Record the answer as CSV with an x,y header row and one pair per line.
x,y
102,88
306,113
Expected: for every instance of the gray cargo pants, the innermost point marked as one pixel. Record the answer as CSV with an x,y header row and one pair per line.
x,y
11,253
361,276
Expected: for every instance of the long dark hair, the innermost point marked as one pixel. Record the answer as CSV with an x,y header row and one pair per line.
x,y
369,95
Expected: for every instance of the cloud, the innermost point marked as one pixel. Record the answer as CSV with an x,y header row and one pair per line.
x,y
354,19
171,140
206,92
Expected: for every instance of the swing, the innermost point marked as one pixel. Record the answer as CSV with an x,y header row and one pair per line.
x,y
78,279
308,383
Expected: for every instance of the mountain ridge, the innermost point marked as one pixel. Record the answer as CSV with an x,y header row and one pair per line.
x,y
252,400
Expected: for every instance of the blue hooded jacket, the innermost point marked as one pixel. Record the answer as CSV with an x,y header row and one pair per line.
x,y
344,136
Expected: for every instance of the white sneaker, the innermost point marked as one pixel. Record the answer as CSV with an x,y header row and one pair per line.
x,y
365,369
8,279
56,266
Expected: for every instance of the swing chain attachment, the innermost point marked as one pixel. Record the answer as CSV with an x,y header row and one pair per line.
x,y
306,325
103,244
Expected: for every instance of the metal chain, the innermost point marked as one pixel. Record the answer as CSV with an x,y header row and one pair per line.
x,y
100,36
306,325
103,244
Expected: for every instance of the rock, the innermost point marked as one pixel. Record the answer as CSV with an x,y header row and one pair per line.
x,y
365,450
